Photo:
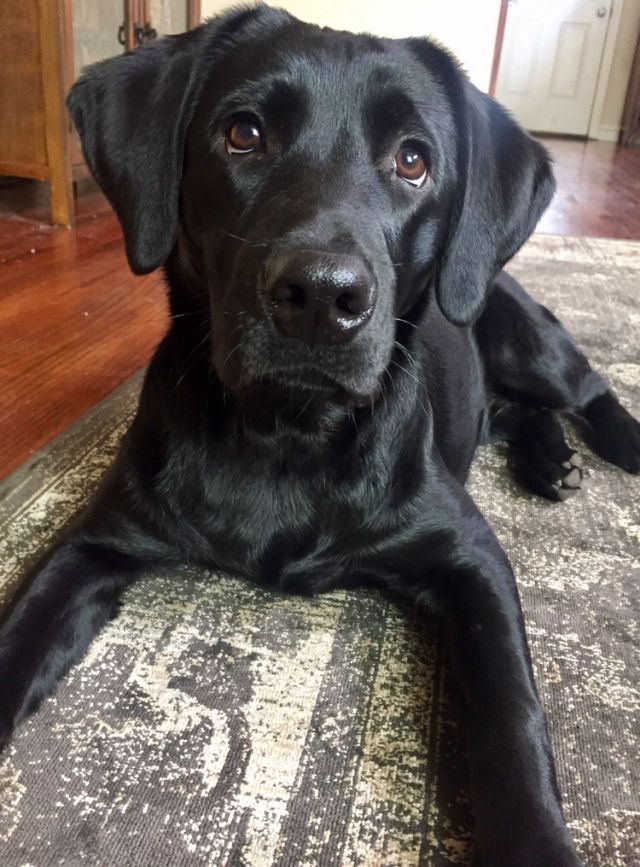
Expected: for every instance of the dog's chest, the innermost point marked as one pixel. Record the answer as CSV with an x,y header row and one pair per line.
x,y
293,531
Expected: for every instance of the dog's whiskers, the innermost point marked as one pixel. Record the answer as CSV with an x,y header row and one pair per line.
x,y
406,353
384,389
304,409
236,347
408,372
240,238
193,357
406,322
418,383
353,419
224,363
191,313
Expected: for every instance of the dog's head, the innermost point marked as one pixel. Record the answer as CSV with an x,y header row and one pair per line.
x,y
307,187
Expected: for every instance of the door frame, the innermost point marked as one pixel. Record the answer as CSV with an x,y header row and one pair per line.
x,y
630,133
194,13
595,129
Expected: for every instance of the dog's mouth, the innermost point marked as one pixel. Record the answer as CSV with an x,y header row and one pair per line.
x,y
302,384
304,380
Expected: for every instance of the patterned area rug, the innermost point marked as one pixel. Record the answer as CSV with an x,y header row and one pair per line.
x,y
215,724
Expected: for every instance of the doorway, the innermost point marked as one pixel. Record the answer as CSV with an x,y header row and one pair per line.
x,y
554,61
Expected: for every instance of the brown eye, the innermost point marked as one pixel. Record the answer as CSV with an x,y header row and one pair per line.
x,y
410,165
243,137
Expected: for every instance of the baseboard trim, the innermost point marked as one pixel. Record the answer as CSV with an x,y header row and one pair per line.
x,y
604,132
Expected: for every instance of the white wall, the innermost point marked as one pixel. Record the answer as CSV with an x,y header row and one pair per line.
x,y
468,27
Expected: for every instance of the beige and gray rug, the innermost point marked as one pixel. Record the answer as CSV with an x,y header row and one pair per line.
x,y
216,724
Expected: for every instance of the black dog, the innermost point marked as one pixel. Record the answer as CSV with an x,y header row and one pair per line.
x,y
332,212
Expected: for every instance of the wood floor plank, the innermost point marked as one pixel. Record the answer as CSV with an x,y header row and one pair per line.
x,y
74,322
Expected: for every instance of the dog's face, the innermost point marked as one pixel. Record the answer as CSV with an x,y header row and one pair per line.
x,y
309,187
315,193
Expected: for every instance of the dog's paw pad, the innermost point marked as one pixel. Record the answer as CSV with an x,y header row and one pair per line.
x,y
574,461
555,481
569,484
573,479
561,494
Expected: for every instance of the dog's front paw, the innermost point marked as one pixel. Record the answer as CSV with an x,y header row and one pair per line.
x,y
553,476
614,433
9,695
5,734
621,444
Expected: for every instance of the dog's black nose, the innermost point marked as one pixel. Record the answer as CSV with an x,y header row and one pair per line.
x,y
320,297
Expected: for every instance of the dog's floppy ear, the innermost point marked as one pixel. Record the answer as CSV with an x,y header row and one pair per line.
x,y
133,112
504,184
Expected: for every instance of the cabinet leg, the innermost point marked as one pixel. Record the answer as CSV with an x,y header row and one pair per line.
x,y
62,201
56,122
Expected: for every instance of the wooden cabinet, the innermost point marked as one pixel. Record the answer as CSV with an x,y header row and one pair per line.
x,y
34,139
43,46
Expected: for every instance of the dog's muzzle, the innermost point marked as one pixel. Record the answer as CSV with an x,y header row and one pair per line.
x,y
319,297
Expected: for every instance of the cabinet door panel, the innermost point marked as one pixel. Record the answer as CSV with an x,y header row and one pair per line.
x,y
168,16
96,24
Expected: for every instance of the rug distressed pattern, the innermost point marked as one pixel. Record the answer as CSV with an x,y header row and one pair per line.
x,y
216,724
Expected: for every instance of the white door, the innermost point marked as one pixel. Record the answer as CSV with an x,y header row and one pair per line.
x,y
550,62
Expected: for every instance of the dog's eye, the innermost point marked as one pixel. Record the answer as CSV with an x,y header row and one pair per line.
x,y
410,165
243,137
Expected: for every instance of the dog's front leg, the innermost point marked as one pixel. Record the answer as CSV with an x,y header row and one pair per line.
x,y
50,625
463,573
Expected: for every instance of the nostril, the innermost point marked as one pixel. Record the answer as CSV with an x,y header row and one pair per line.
x,y
297,295
354,302
290,294
347,303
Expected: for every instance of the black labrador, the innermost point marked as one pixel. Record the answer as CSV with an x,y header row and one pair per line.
x,y
332,213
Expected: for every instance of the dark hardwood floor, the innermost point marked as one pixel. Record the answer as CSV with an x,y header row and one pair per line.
x,y
75,323
598,190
